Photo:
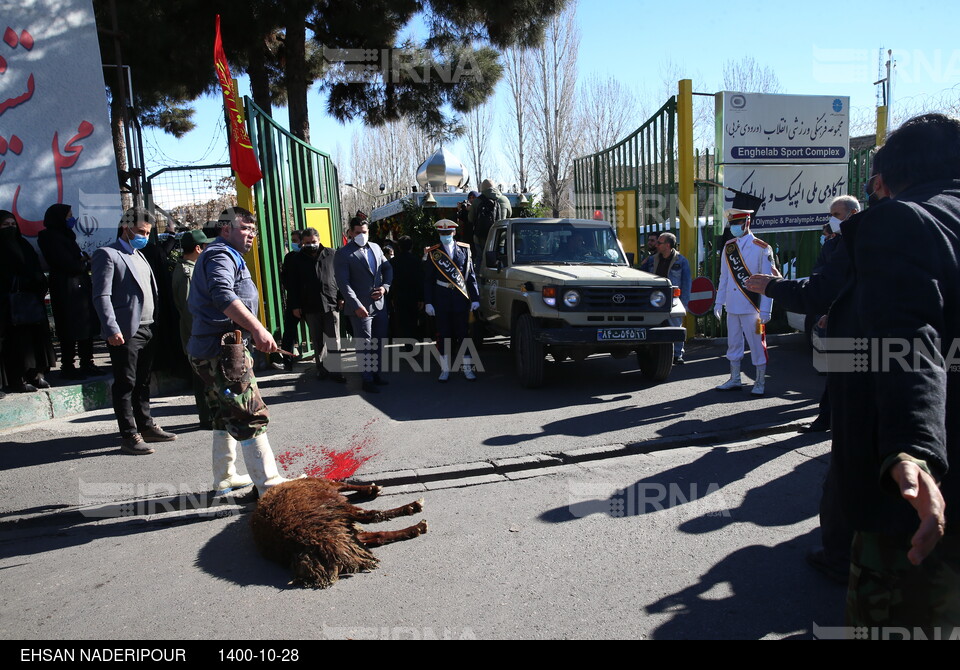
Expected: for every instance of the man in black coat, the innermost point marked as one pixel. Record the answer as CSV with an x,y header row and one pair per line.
x,y
312,295
896,425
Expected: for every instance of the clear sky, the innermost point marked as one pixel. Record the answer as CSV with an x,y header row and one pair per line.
x,y
816,47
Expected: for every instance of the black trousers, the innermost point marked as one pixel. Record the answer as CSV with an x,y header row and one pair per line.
x,y
132,362
81,349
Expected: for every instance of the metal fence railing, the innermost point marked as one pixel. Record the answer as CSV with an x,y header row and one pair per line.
x,y
299,189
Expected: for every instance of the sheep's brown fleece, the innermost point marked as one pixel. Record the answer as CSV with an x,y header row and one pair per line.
x,y
309,526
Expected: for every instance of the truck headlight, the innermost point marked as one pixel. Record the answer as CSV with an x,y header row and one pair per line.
x,y
550,296
658,298
571,299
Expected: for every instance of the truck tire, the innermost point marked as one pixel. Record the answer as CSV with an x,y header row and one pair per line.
x,y
527,352
656,361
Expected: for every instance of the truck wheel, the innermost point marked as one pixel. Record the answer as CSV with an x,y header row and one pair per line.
x,y
656,361
528,353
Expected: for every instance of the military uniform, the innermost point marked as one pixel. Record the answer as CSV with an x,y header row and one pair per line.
x,y
225,366
746,312
451,292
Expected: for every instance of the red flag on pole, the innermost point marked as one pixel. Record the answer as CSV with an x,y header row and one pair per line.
x,y
242,159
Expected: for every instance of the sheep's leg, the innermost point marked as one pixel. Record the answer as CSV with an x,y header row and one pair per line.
x,y
371,490
388,536
361,515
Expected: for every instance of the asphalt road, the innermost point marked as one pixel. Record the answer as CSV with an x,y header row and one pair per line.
x,y
687,534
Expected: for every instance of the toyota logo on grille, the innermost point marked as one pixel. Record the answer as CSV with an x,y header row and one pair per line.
x,y
619,299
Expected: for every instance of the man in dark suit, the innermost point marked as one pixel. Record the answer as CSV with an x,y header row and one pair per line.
x,y
364,277
125,299
451,292
312,295
896,418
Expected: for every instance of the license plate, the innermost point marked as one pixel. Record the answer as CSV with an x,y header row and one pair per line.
x,y
621,334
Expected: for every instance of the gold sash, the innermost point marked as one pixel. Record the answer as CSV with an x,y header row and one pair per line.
x,y
449,270
740,272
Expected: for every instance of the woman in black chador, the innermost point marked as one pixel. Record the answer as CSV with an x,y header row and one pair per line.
x,y
26,351
71,293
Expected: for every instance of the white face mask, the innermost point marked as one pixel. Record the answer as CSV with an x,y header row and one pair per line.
x,y
361,239
835,224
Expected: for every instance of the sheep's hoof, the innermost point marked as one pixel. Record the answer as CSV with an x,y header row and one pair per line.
x,y
416,506
422,527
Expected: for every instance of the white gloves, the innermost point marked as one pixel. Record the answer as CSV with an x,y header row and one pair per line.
x,y
430,310
718,310
474,306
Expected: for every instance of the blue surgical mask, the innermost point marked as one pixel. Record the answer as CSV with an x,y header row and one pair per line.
x,y
446,240
823,238
736,230
71,222
295,246
139,241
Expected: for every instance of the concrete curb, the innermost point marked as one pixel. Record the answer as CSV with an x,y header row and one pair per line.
x,y
511,469
57,402
189,507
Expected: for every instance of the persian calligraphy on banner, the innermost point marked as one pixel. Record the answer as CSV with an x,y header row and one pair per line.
x,y
795,197
242,158
55,139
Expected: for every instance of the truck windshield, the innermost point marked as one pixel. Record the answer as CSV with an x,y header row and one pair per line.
x,y
563,243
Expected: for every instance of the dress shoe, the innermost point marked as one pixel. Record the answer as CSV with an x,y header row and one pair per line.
x,y
134,445
370,387
41,383
819,425
25,388
337,377
157,434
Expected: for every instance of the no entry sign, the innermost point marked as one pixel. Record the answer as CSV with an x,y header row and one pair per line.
x,y
702,295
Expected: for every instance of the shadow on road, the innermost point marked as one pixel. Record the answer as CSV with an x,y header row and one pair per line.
x,y
753,592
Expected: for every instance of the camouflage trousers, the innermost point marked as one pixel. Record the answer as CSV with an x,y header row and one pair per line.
x,y
235,407
886,590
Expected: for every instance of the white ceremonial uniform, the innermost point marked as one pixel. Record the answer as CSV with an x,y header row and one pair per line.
x,y
742,316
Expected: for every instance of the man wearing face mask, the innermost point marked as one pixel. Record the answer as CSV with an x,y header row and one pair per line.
x,y
451,292
841,209
747,312
364,277
125,300
312,295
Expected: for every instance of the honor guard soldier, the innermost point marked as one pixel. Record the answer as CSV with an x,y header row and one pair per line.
x,y
747,312
450,292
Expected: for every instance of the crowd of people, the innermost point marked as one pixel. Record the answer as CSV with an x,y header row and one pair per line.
x,y
888,272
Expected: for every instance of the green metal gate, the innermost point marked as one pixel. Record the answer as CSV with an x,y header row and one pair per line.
x,y
299,189
634,182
